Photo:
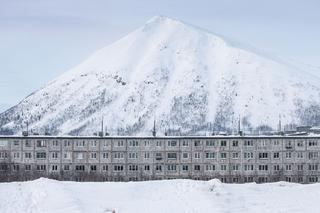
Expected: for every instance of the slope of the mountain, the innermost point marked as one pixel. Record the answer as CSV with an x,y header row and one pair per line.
x,y
185,78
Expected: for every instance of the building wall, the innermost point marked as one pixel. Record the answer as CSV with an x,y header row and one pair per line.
x,y
231,159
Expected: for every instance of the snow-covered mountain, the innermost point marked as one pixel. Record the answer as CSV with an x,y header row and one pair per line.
x,y
183,77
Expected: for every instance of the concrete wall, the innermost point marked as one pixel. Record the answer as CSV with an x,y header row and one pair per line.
x,y
231,159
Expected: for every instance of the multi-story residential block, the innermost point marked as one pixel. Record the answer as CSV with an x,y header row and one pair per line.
x,y
232,159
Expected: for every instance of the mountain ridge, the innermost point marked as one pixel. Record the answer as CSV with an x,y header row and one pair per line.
x,y
186,79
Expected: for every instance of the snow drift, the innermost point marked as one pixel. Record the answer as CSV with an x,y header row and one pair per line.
x,y
48,196
184,77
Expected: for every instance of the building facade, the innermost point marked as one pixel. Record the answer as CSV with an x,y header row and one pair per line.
x,y
232,159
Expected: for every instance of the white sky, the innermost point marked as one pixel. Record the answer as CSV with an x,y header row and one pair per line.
x,y
40,39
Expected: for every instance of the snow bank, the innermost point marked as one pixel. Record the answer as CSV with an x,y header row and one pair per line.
x,y
45,195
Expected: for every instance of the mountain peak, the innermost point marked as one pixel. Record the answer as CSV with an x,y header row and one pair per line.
x,y
161,19
187,77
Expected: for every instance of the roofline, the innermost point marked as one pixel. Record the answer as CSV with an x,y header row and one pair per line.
x,y
161,137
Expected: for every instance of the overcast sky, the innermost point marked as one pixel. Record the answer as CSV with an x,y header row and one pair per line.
x,y
40,39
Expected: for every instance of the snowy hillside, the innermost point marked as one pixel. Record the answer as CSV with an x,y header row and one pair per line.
x,y
184,77
185,196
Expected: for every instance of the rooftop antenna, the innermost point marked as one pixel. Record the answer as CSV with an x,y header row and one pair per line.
x,y
280,126
239,126
106,131
154,132
101,133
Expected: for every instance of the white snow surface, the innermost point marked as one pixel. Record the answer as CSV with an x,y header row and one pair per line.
x,y
175,73
187,196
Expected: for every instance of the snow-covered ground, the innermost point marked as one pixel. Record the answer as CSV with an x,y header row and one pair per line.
x,y
45,195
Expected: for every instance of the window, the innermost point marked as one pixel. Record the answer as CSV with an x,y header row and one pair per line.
x,y
235,155
41,167
41,155
185,143
223,167
263,143
263,155
197,155
210,143
288,179
300,144
146,143
133,167
27,167
276,143
41,143
223,155
80,155
3,143
16,167
28,143
105,143
93,155
16,143
146,155
248,155
54,168
133,155
133,143
16,155
210,167
185,155
54,155
248,167
288,167
66,167
172,167
197,167
55,143
172,143
119,143
248,143
313,167
93,168
67,143
118,155
93,143
185,167
210,155
67,155
300,167
223,143
276,155
263,167
288,155
80,167
104,167
105,155
313,143
276,167
172,155
158,143
158,168
313,155
299,154
146,167
158,156
288,145
197,143
80,143
235,143
235,167
313,179
3,155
